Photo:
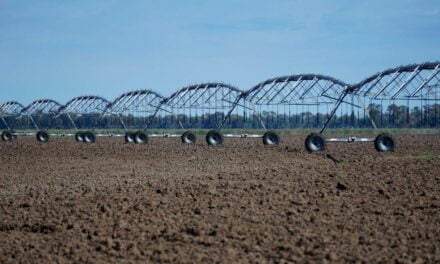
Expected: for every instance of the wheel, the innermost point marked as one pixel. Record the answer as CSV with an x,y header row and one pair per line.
x,y
42,136
7,136
189,138
89,137
14,137
384,143
270,138
214,137
129,137
79,137
315,142
140,138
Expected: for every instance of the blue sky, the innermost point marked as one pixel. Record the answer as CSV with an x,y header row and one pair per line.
x,y
61,49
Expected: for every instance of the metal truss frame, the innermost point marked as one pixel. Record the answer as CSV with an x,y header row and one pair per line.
x,y
38,107
81,105
10,109
405,83
211,96
303,89
294,90
144,102
409,82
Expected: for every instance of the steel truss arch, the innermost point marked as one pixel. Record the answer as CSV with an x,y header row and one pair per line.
x,y
46,106
136,100
296,90
136,109
83,106
204,95
10,110
280,102
212,102
41,112
412,82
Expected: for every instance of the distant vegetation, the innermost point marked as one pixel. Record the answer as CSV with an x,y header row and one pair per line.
x,y
394,116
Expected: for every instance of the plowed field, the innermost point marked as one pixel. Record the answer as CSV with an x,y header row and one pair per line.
x,y
240,202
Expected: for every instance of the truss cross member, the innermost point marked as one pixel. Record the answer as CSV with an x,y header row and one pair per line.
x,y
267,91
367,112
150,120
33,121
407,81
229,112
71,120
6,123
431,76
335,108
393,78
298,82
314,82
278,92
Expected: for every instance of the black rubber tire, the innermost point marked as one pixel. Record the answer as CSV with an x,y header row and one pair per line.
x,y
384,143
140,138
14,137
42,136
315,142
214,137
189,137
270,138
129,137
7,136
89,137
79,137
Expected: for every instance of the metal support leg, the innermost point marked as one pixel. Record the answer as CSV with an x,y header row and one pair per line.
x,y
367,113
33,122
71,120
177,118
335,108
6,123
258,116
122,122
150,120
229,112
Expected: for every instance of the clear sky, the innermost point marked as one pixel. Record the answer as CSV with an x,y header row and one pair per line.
x,y
61,49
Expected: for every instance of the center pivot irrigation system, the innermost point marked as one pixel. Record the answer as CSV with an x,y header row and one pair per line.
x,y
306,100
9,111
134,110
209,103
411,84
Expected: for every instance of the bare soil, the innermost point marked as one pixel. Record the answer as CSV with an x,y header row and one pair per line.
x,y
240,202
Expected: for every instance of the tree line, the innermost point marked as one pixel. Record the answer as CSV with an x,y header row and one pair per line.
x,y
392,116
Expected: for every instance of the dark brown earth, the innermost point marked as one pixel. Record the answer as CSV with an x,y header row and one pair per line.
x,y
240,202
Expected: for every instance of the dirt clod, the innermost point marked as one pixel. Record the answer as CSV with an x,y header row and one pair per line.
x,y
341,187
